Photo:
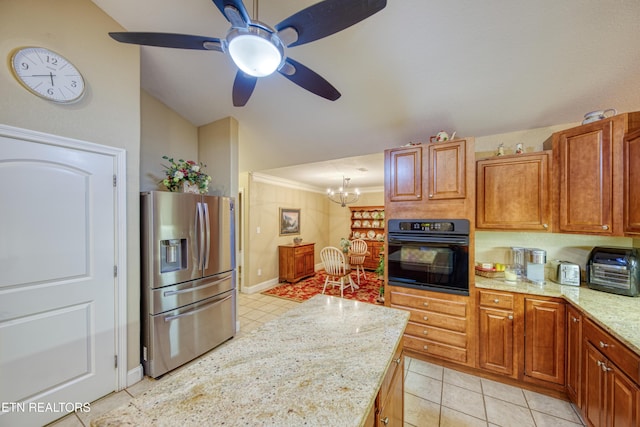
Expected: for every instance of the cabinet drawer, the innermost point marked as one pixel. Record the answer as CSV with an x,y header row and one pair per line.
x,y
303,250
496,300
435,319
443,351
452,308
614,350
444,336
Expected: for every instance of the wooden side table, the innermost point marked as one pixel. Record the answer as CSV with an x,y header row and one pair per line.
x,y
296,261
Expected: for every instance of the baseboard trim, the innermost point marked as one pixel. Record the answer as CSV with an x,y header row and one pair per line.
x,y
260,287
135,375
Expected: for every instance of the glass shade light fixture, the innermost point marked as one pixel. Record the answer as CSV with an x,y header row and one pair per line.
x,y
343,197
255,50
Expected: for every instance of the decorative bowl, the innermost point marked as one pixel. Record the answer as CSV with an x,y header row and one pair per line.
x,y
297,240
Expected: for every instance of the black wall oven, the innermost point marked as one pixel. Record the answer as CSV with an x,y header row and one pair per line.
x,y
429,254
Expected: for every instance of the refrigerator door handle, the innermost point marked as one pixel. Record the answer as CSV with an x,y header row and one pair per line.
x,y
200,232
207,253
197,288
197,310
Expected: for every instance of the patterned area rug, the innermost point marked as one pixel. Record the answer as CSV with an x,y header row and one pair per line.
x,y
305,289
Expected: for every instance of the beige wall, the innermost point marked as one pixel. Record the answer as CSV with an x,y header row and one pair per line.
x,y
163,133
108,114
218,149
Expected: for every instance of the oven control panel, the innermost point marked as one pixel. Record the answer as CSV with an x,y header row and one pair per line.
x,y
456,226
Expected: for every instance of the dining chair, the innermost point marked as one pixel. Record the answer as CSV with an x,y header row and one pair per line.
x,y
335,265
357,255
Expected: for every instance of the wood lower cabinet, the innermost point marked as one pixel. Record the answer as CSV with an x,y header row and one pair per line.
x,y
611,375
514,192
388,409
375,248
522,337
574,355
296,262
496,333
544,342
438,323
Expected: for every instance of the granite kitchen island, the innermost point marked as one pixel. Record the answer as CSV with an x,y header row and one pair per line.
x,y
319,364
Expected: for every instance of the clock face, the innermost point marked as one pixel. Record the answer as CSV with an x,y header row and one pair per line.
x,y
47,74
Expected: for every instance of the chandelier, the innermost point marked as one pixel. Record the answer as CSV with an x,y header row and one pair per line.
x,y
343,197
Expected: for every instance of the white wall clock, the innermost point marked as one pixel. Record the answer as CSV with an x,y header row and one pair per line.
x,y
47,74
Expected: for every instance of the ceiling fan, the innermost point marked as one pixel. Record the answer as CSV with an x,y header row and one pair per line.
x,y
259,50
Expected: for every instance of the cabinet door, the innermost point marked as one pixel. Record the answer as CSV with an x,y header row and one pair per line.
x,y
392,410
574,354
496,341
632,183
513,193
404,174
447,170
544,340
593,405
309,262
585,173
622,404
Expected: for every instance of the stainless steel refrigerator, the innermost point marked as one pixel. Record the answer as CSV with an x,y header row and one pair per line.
x,y
188,277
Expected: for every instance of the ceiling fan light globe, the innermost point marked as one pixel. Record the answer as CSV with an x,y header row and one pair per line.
x,y
254,53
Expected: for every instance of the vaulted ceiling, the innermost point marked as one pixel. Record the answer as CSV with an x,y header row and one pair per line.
x,y
417,67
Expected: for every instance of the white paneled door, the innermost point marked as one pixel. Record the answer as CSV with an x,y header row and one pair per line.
x,y
57,286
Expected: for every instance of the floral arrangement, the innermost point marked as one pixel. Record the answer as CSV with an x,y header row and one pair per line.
x,y
185,171
345,244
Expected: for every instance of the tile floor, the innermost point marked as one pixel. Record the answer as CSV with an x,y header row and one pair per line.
x,y
434,396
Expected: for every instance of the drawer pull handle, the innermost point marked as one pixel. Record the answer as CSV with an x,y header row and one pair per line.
x,y
426,318
426,332
426,304
385,421
398,360
510,317
575,320
545,225
603,344
426,347
431,196
603,366
605,227
496,300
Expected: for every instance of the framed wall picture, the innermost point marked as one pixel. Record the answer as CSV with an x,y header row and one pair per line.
x,y
289,221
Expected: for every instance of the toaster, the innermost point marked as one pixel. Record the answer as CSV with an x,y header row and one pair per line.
x,y
565,273
614,270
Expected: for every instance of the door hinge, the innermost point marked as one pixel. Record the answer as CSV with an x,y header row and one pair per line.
x,y
115,180
115,360
115,271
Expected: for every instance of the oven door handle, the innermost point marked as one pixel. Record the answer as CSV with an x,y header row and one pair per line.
x,y
429,239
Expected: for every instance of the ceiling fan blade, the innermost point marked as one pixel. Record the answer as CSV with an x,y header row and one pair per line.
x,y
234,11
243,86
179,41
328,17
309,80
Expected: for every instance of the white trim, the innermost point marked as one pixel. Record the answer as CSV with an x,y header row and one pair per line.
x,y
135,375
282,182
268,284
119,156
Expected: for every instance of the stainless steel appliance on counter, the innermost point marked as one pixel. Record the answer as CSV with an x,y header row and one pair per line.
x,y
429,254
614,270
188,277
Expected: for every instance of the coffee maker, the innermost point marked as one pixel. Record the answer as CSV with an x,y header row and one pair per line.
x,y
535,260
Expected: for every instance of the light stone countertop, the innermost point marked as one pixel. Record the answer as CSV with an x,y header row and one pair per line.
x,y
319,364
617,314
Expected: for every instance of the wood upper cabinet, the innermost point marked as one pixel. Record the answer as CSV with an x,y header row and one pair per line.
x,y
574,355
632,183
447,170
404,174
513,192
588,174
544,340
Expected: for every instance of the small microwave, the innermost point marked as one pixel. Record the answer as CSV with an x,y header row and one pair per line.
x,y
615,270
